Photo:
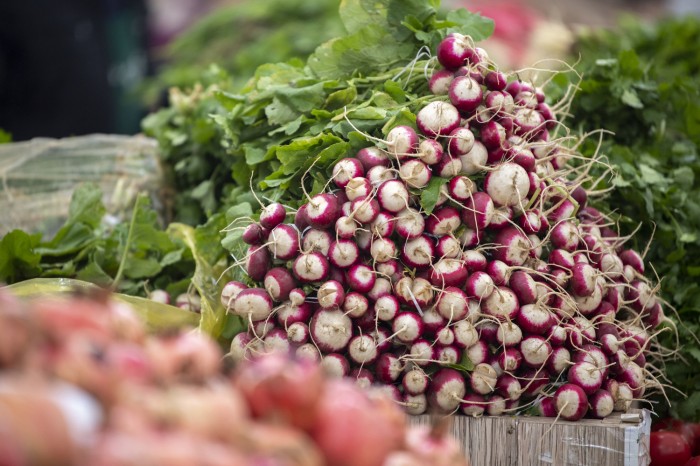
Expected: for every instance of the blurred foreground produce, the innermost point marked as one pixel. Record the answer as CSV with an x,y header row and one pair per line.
x,y
642,84
83,383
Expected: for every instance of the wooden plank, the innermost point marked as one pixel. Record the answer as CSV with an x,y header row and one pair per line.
x,y
535,441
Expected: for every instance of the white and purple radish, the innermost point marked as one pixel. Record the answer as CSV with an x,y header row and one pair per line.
x,y
257,262
316,240
346,169
508,184
508,334
335,365
253,304
455,51
601,404
355,304
361,186
461,142
475,160
473,404
272,215
382,286
448,247
415,173
415,381
465,334
298,333
510,359
410,223
440,80
402,141
418,252
421,353
536,319
535,350
438,118
371,157
387,307
452,303
478,211
365,209
407,327
361,278
512,246
559,360
502,304
570,402
228,293
343,253
388,368
330,295
311,267
483,378
509,387
446,391
322,210
331,330
278,283
479,352
362,349
465,94
393,196
430,151
254,234
586,375
345,227
290,313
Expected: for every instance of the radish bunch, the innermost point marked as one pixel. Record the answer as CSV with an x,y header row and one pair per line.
x,y
506,291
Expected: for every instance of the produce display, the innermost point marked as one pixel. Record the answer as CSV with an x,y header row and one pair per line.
x,y
83,383
455,259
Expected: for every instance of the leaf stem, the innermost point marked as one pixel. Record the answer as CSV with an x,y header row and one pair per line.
x,y
129,236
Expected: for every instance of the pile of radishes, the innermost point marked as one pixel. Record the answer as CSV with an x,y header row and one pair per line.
x,y
82,383
508,292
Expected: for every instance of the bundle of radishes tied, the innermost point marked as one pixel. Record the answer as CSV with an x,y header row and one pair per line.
x,y
447,250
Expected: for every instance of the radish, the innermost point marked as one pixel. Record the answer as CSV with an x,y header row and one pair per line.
x,y
345,227
438,118
448,247
454,51
279,283
298,333
364,209
465,334
445,336
461,188
495,80
508,184
383,250
475,159
362,187
386,307
571,402
290,313
330,295
483,379
586,375
533,381
488,330
535,350
479,285
452,303
478,211
421,352
371,157
461,141
315,240
253,303
382,287
443,221
478,353
508,334
509,387
440,80
473,405
272,215
493,135
510,359
559,360
362,349
390,269
415,382
430,151
498,271
524,287
535,319
346,169
343,253
311,267
502,217
322,210
625,397
502,304
448,272
474,260
418,252
583,279
513,246
407,327
388,368
446,390
565,235
470,238
254,234
601,403
415,293
361,278
415,173
495,405
307,352
465,94
228,293
402,141
335,365
632,258
257,262
375,177
415,405
363,377
562,258
393,196
331,330
276,340
447,354
240,347
410,223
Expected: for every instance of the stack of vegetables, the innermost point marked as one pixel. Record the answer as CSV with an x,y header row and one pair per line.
x,y
455,261
83,383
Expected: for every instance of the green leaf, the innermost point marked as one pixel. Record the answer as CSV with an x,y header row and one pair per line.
x,y
86,205
5,137
630,98
651,176
142,268
431,193
465,364
684,176
17,257
464,21
357,14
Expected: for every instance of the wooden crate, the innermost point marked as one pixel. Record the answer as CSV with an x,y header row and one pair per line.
x,y
535,441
